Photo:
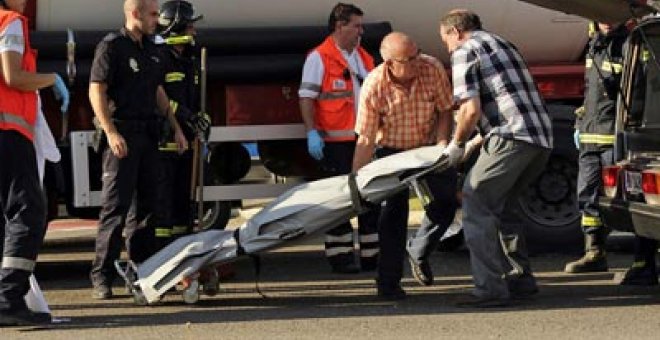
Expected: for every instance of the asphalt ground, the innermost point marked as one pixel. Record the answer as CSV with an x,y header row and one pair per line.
x,y
305,301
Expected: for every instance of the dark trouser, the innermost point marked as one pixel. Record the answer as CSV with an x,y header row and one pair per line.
x,y
338,160
23,221
136,174
393,223
173,196
503,169
590,187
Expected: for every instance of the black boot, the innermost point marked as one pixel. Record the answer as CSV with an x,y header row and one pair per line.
x,y
343,264
594,259
643,271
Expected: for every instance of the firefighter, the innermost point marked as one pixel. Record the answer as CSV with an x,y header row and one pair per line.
x,y
127,73
329,91
23,221
181,68
594,137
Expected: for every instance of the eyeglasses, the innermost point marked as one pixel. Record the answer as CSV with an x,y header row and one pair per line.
x,y
408,59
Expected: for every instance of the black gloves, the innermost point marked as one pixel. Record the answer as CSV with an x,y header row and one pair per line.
x,y
201,124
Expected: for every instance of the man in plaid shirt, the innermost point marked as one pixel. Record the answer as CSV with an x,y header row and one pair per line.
x,y
495,93
406,103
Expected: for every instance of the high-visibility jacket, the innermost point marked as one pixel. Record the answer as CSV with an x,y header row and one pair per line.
x,y
18,109
604,65
335,105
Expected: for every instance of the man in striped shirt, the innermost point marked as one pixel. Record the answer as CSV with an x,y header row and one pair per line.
x,y
405,104
496,94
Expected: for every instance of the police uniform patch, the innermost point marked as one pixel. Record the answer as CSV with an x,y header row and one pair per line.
x,y
134,65
338,84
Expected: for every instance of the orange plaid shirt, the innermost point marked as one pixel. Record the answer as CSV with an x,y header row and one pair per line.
x,y
399,118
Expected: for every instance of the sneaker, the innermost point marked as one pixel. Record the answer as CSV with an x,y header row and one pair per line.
x,y
471,301
593,261
421,272
101,292
639,274
24,317
522,287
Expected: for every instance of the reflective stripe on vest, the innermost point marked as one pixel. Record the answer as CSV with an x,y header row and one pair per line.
x,y
174,77
311,87
591,221
606,66
17,263
163,232
179,229
169,147
612,67
335,95
593,138
7,119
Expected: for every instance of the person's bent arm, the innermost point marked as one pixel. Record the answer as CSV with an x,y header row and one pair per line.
x,y
99,99
364,151
164,106
469,112
17,78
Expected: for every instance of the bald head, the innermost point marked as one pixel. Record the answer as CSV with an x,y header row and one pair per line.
x,y
397,45
141,15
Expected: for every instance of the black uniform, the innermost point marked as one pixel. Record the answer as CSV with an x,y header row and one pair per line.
x,y
181,84
602,77
132,72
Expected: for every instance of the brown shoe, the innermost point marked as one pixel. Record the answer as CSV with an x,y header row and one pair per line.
x,y
101,292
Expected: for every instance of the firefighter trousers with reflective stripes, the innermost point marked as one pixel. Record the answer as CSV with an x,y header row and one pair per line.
x,y
23,221
392,219
590,186
172,195
125,179
339,242
502,171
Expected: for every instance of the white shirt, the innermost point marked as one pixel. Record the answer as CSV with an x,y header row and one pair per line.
x,y
313,73
11,39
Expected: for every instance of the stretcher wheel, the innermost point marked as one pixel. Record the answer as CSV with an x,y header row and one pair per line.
x,y
191,293
139,298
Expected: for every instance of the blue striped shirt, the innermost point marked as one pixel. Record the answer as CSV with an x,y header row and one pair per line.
x,y
490,67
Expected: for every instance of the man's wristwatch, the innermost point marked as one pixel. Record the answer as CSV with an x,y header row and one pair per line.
x,y
460,144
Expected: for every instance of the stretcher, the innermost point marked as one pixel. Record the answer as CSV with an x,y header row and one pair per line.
x,y
304,210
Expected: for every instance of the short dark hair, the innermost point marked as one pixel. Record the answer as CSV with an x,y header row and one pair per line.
x,y
4,4
342,13
462,19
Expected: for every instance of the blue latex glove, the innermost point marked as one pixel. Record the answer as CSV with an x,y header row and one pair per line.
x,y
61,93
315,144
576,138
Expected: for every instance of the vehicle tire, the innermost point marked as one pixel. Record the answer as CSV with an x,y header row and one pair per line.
x,y
216,215
549,210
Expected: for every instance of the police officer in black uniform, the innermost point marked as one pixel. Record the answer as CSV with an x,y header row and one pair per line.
x,y
594,138
179,56
126,96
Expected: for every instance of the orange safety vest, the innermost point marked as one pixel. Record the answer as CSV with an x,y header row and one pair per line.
x,y
335,105
18,109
